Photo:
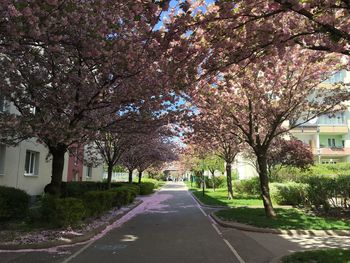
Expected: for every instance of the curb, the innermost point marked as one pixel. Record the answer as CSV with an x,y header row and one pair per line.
x,y
292,232
79,239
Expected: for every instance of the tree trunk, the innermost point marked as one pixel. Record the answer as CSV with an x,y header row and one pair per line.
x,y
213,179
203,184
109,178
264,185
140,175
57,153
229,181
130,176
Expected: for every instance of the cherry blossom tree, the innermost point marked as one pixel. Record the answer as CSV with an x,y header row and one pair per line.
x,y
209,133
65,64
236,31
147,151
267,98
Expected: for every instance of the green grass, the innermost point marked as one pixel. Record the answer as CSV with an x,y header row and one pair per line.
x,y
320,256
286,219
219,197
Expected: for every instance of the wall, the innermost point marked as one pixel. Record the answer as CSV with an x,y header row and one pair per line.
x,y
14,175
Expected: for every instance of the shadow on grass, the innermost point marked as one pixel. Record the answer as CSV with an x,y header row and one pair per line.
x,y
286,219
209,200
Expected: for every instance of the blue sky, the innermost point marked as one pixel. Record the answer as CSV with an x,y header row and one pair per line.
x,y
175,4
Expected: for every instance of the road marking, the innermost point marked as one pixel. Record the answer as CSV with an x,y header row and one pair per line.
x,y
234,251
238,257
78,252
217,229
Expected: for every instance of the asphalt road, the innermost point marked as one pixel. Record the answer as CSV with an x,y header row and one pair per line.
x,y
170,226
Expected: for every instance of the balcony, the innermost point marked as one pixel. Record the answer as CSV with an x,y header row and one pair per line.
x,y
305,129
332,151
333,129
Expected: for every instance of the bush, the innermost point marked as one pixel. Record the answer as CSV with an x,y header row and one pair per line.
x,y
146,188
123,195
289,193
14,203
97,202
77,189
62,212
247,186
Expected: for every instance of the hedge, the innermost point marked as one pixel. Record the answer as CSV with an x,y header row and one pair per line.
x,y
289,193
62,212
70,211
146,188
77,189
14,203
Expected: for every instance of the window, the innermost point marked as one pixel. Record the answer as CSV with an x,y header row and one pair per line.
x,y
32,163
2,159
89,172
331,142
3,104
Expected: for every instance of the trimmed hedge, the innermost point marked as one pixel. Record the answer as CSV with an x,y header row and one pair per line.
x,y
146,188
14,203
289,193
70,211
77,189
62,212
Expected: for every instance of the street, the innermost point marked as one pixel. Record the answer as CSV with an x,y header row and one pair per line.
x,y
170,226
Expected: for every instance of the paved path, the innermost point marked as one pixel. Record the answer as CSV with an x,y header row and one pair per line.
x,y
170,227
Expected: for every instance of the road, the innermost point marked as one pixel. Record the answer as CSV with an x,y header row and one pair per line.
x,y
168,227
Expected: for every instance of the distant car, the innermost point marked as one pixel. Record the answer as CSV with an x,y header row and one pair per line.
x,y
169,179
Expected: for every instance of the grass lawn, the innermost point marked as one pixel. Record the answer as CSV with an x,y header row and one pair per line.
x,y
219,197
286,219
319,256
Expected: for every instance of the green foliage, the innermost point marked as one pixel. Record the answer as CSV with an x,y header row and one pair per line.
x,y
220,182
247,187
14,203
157,183
286,219
214,163
288,174
77,189
290,193
97,202
146,188
334,255
62,212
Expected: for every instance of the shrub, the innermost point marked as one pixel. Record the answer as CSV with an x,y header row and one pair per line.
x,y
62,212
97,202
220,181
146,188
289,193
326,191
247,186
77,189
321,189
14,203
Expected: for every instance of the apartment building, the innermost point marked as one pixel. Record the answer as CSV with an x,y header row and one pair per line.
x,y
328,136
27,166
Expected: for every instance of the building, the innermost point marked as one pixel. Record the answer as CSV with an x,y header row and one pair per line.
x,y
328,136
27,166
